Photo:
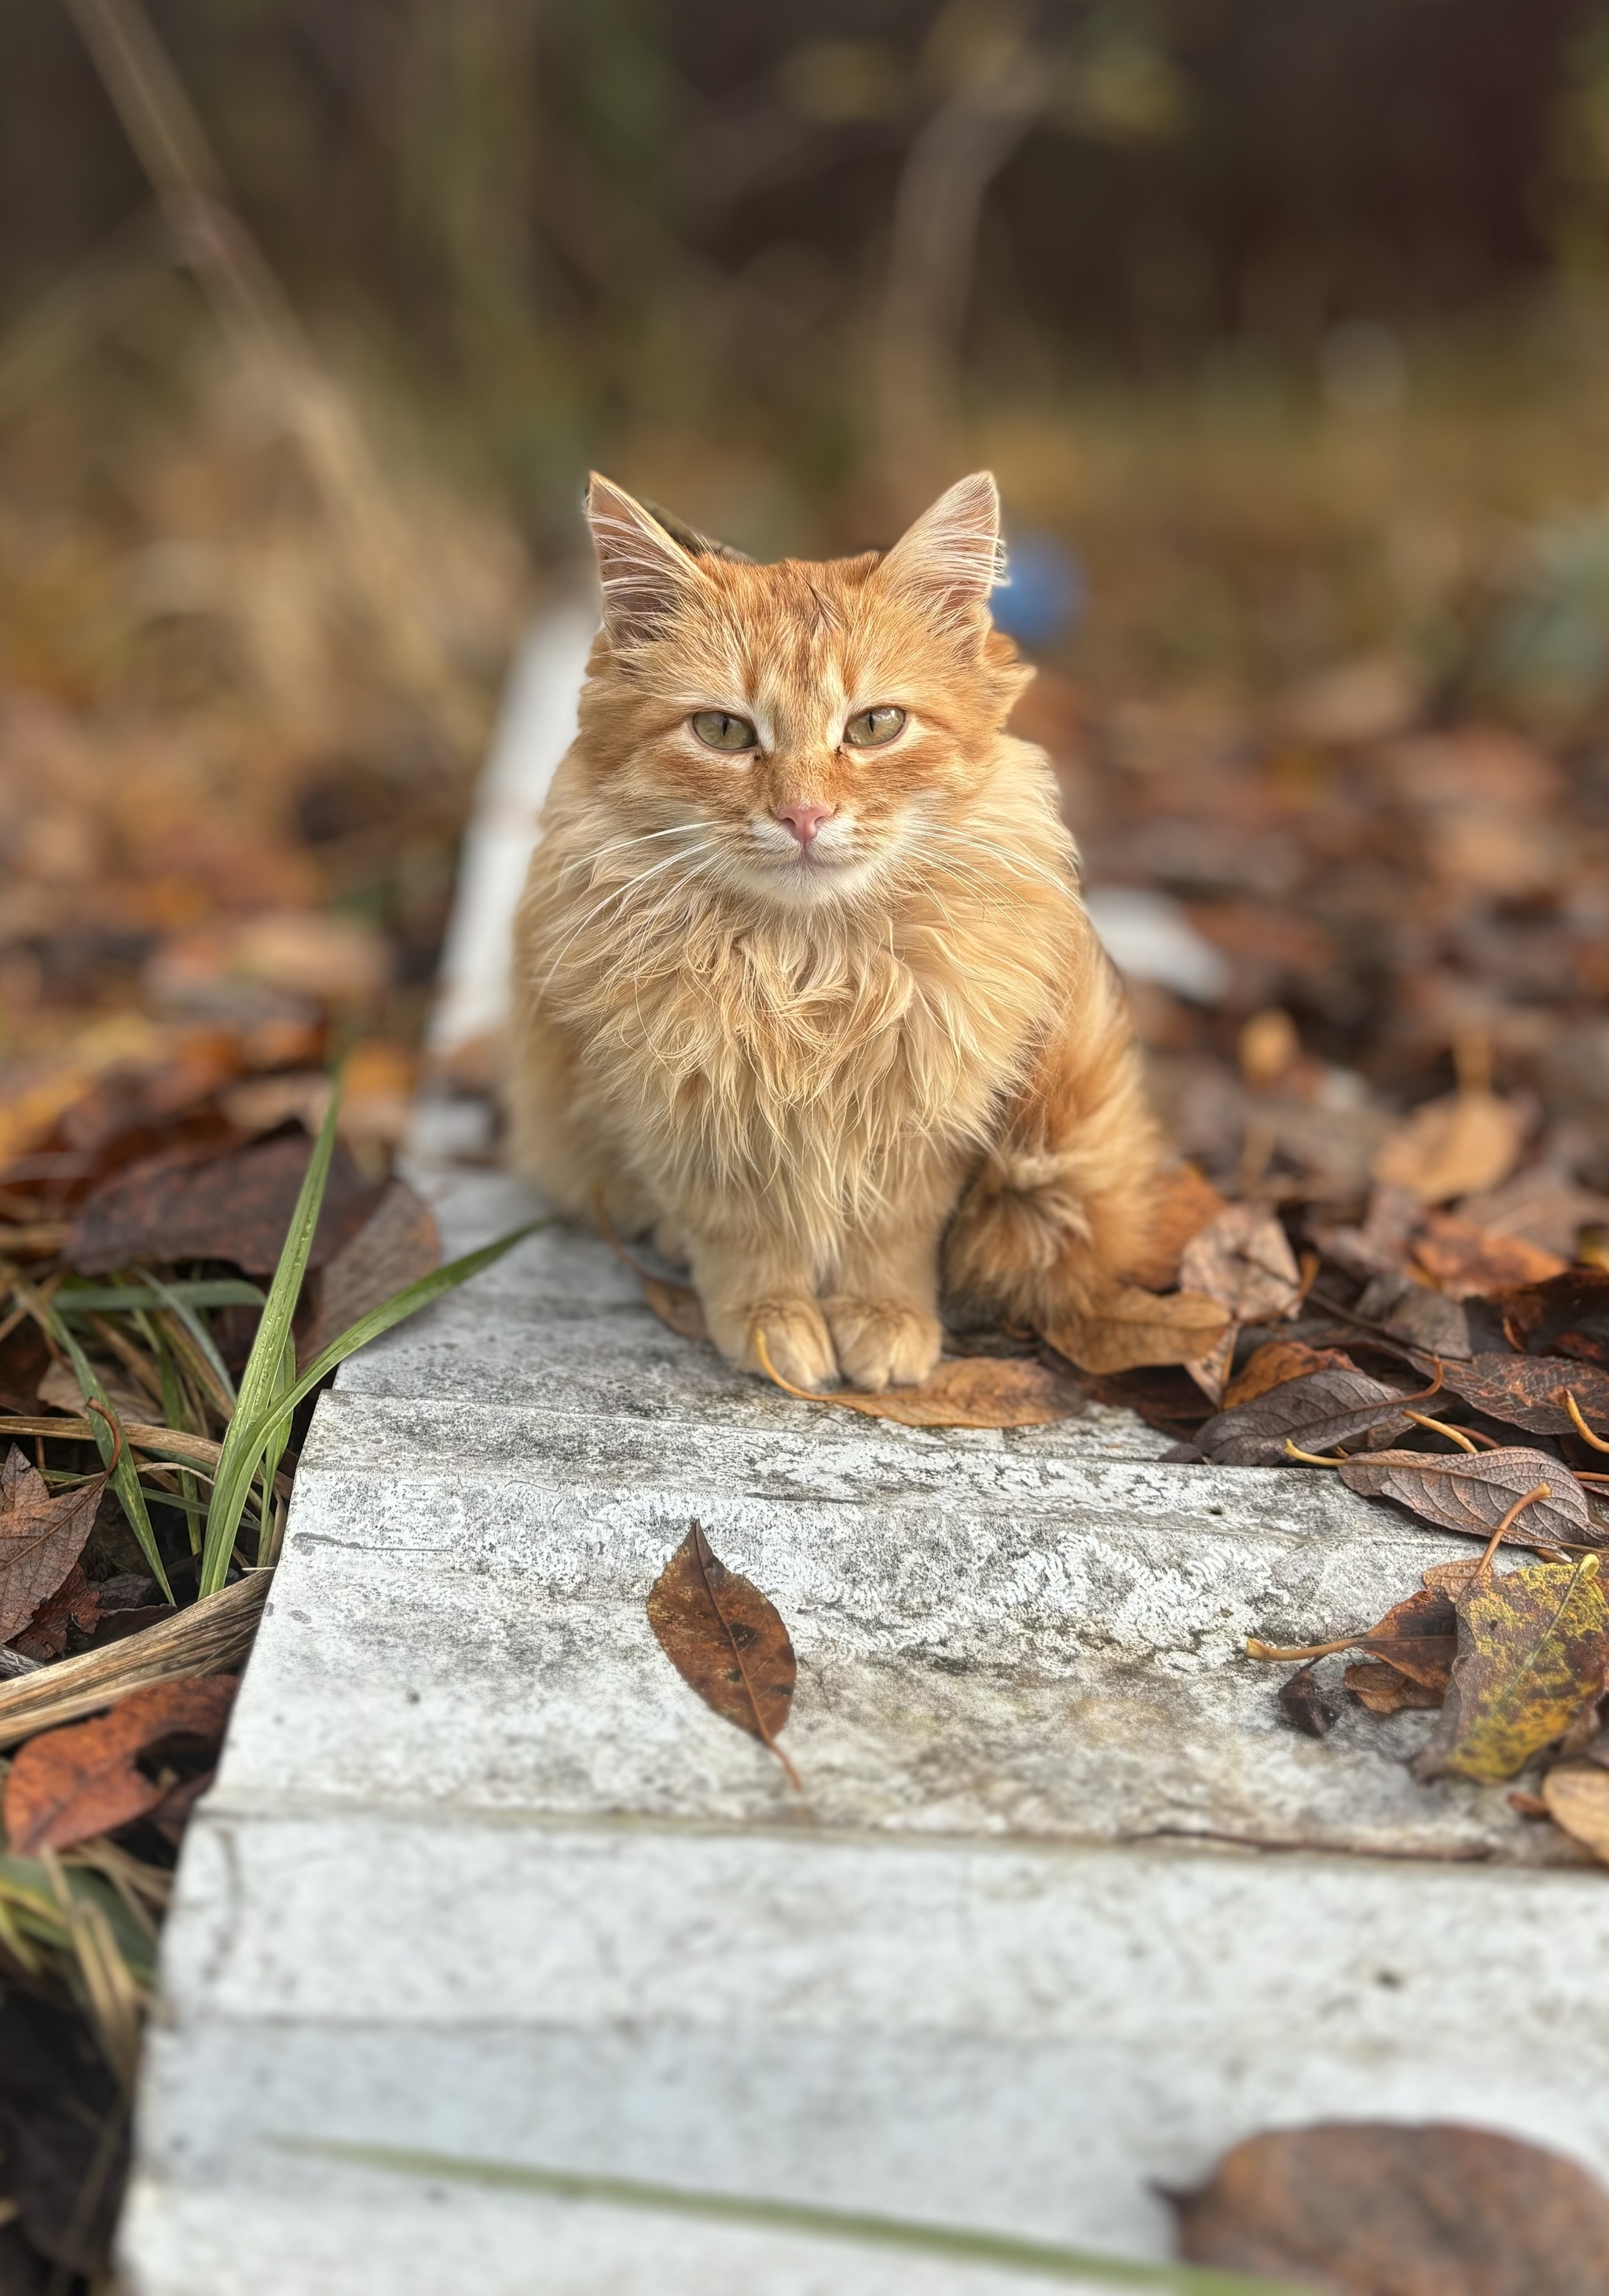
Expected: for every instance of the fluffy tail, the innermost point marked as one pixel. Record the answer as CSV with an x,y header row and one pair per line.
x,y
1062,1205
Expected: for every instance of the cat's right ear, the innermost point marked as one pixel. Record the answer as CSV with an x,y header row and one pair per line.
x,y
644,574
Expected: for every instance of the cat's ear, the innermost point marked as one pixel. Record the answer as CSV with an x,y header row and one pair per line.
x,y
645,572
952,556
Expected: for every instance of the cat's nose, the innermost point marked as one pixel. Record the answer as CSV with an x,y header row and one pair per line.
x,y
803,820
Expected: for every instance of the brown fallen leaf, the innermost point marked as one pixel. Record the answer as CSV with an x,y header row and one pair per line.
x,y
234,1207
1126,1329
1528,1391
1275,1361
1186,1202
76,1603
1416,1640
1304,1705
1452,1147
1533,1649
1565,1315
960,1391
1244,1260
1473,1491
1382,2208
70,1783
1380,1246
41,1537
1462,1261
24,1360
1577,1798
726,1640
1316,1412
1384,1690
397,1244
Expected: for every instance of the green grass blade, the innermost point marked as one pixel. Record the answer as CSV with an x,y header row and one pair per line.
x,y
279,1435
176,1414
394,1310
112,1443
1044,2259
173,1296
242,1449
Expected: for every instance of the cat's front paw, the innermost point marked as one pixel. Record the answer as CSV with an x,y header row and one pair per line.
x,y
882,1342
796,1341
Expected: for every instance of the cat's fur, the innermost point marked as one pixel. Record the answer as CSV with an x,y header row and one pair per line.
x,y
813,1071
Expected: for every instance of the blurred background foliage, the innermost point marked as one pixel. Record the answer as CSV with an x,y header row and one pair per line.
x,y
1286,323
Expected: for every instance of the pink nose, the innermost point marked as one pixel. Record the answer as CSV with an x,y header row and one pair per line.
x,y
804,820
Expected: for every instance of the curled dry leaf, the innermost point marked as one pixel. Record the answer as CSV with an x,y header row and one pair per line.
x,y
1416,1643
85,1779
397,1244
1381,2209
1316,1413
1533,1649
726,1640
1126,1329
1304,1705
1274,1362
1384,1691
1244,1260
1462,1261
1452,1147
961,1391
41,1537
1474,1491
1529,1392
1187,1201
1577,1796
677,1305
76,1603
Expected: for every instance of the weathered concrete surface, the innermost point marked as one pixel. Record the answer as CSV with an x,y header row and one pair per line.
x,y
481,1875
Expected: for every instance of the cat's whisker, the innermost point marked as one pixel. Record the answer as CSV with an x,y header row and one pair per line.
x,y
619,892
624,844
1008,860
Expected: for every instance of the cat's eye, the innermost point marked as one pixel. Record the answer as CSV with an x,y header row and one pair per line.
x,y
869,729
718,729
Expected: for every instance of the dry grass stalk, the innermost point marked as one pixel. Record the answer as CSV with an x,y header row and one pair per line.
x,y
210,1638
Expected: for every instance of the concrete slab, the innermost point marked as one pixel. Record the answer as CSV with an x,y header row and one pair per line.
x,y
1062,1912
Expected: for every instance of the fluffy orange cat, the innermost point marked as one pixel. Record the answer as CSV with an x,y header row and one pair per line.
x,y
803,981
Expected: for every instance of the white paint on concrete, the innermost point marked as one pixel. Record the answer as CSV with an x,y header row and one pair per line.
x,y
1063,1911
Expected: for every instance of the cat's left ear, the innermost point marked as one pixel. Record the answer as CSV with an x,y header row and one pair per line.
x,y
645,572
952,556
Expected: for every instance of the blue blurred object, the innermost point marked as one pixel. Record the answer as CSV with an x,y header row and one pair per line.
x,y
1042,597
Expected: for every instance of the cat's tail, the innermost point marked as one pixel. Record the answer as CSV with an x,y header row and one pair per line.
x,y
1061,1204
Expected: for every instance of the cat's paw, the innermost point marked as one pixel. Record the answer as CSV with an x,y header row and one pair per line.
x,y
882,1342
797,1340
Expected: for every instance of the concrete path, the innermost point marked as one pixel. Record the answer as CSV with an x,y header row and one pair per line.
x,y
1063,1911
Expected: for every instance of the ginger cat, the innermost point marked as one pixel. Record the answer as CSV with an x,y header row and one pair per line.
x,y
803,983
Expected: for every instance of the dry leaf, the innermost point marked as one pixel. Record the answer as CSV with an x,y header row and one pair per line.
x,y
1577,1795
41,1537
1244,1260
235,1207
1304,1705
1126,1329
1315,1413
1186,1202
961,1391
207,1637
1452,1147
1275,1361
1564,1314
1380,2209
1463,1261
59,1390
726,1640
396,1245
76,1603
1533,1649
1474,1491
1384,1690
677,1305
70,1783
1529,1392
